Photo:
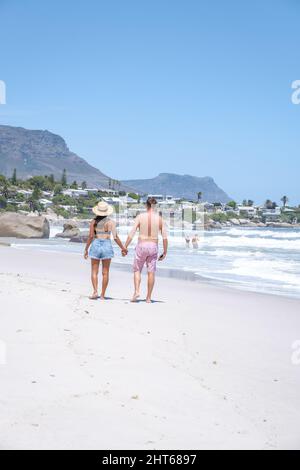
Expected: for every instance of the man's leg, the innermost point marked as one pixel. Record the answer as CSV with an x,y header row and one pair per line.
x,y
151,282
137,285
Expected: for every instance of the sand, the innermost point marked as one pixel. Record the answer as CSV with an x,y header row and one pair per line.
x,y
202,368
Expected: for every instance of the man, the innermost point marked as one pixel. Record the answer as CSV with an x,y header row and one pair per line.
x,y
149,225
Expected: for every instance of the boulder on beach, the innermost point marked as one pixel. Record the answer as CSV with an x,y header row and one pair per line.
x,y
71,230
251,224
23,226
82,237
235,222
244,221
279,225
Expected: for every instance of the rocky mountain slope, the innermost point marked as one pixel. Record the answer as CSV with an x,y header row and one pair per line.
x,y
36,152
185,186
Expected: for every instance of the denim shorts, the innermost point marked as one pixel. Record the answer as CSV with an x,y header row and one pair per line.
x,y
101,249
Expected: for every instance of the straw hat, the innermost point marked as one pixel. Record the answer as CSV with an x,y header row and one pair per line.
x,y
103,209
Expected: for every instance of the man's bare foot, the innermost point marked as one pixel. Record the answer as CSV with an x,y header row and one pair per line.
x,y
135,297
102,297
95,296
148,301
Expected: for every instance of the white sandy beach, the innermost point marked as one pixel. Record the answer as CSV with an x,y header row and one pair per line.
x,y
202,368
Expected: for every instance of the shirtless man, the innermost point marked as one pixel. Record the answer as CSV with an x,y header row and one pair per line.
x,y
149,225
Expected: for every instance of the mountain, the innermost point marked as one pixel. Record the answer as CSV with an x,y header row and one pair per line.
x,y
180,186
39,152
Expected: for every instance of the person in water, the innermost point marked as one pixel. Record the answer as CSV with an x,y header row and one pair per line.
x,y
150,225
99,246
187,240
195,242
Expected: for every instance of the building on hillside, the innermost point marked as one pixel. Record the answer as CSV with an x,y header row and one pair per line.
x,y
208,207
271,215
288,210
76,193
45,202
163,201
92,191
120,200
112,192
70,208
249,211
25,192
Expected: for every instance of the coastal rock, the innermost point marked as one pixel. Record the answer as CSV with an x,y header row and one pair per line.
x,y
51,215
71,230
279,224
82,237
244,221
218,225
209,224
235,222
23,226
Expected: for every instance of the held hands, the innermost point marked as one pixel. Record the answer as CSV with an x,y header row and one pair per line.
x,y
124,252
86,254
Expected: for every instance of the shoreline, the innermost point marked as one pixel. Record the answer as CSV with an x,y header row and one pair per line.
x,y
162,272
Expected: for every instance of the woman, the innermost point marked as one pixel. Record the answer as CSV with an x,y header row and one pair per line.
x,y
99,246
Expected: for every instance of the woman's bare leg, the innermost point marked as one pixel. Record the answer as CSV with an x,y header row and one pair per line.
x,y
137,286
95,272
105,276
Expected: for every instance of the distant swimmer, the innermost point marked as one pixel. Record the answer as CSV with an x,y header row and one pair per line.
x,y
187,241
195,242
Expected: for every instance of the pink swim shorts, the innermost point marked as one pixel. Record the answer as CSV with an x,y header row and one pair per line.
x,y
145,253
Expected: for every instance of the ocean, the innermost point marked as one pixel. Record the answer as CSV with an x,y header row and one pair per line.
x,y
263,260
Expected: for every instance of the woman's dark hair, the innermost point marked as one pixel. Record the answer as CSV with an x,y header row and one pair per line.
x,y
151,201
97,220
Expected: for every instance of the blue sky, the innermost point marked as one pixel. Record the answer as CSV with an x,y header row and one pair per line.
x,y
143,87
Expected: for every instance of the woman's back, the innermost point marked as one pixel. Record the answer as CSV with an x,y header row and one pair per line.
x,y
104,228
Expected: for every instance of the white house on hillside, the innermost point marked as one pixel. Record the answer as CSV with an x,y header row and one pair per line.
x,y
272,214
76,193
251,211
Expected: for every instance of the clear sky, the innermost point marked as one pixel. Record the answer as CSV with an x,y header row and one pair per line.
x,y
140,87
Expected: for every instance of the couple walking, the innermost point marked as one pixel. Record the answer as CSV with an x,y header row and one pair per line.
x,y
150,225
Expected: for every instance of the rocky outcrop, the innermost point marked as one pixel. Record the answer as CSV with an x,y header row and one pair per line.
x,y
182,186
244,221
23,226
71,230
235,222
251,224
82,237
279,225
